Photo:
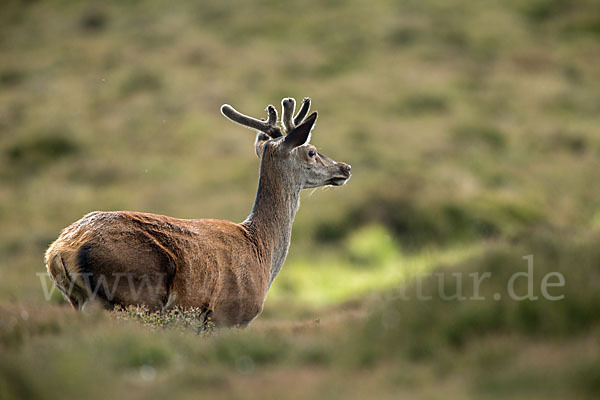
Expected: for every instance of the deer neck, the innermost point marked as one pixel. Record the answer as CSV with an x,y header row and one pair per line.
x,y
271,219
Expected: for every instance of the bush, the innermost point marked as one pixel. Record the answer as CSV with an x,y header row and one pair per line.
x,y
477,133
417,104
419,326
42,149
371,245
140,81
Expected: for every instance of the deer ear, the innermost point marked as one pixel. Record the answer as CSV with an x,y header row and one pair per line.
x,y
301,134
259,143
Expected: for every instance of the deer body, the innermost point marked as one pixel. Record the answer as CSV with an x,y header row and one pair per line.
x,y
221,267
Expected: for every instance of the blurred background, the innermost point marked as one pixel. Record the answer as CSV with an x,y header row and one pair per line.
x,y
473,131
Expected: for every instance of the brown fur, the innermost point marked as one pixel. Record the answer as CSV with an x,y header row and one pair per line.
x,y
224,268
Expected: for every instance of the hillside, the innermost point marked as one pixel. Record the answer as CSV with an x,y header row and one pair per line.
x,y
473,133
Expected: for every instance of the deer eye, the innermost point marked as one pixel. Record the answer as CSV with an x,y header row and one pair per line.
x,y
312,153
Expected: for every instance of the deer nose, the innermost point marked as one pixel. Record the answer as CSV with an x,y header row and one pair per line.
x,y
345,168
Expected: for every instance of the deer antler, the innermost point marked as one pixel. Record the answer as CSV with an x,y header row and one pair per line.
x,y
288,106
269,127
303,111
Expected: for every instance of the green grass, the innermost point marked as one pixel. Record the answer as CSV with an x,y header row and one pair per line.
x,y
472,129
369,260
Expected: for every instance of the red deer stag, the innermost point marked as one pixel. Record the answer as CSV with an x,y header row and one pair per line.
x,y
223,268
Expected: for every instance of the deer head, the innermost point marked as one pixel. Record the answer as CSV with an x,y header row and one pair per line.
x,y
288,150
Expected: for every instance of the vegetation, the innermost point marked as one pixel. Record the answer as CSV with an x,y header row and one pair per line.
x,y
472,129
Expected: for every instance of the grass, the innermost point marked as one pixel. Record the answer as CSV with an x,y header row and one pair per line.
x,y
472,131
492,348
371,261
192,319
